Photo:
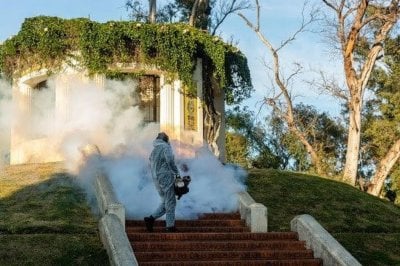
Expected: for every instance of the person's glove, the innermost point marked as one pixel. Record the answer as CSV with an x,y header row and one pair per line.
x,y
179,181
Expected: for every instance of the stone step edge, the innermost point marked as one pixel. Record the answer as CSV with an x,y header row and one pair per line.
x,y
219,245
211,216
223,255
212,236
192,229
230,222
291,262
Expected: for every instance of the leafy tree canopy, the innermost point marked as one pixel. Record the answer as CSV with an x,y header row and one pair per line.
x,y
321,131
48,42
261,151
237,149
210,14
382,114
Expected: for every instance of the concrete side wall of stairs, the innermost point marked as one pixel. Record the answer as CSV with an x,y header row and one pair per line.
x,y
250,226
324,245
112,224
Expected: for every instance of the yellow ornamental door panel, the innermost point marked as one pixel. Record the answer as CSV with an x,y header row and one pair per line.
x,y
190,112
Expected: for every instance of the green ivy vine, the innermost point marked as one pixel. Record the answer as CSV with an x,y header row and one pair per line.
x,y
47,42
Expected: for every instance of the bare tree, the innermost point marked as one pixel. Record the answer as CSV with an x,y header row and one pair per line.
x,y
225,9
282,102
357,22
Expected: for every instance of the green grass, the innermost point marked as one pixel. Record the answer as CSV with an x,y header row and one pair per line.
x,y
45,219
368,227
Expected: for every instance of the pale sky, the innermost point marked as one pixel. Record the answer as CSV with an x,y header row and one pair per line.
x,y
279,19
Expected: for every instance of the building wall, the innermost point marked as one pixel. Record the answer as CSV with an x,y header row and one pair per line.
x,y
25,149
26,146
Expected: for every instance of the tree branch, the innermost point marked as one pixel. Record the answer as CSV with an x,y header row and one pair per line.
x,y
288,114
226,9
302,28
192,18
331,5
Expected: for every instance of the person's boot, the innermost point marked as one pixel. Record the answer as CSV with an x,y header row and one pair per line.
x,y
171,229
149,222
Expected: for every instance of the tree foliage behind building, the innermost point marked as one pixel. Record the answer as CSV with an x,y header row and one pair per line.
x,y
382,114
48,42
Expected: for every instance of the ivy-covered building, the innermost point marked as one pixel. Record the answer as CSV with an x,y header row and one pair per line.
x,y
184,75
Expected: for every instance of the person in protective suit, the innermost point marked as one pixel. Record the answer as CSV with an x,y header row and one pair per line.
x,y
164,172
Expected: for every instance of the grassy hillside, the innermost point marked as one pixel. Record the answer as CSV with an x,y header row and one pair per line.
x,y
45,220
366,226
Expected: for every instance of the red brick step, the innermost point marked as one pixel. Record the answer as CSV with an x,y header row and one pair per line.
x,y
194,229
218,245
291,262
220,216
216,239
214,236
190,223
223,255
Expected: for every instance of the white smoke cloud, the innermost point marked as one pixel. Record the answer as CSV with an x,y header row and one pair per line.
x,y
213,187
110,118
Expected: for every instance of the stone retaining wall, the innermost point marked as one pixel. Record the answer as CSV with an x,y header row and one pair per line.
x,y
255,214
112,224
321,242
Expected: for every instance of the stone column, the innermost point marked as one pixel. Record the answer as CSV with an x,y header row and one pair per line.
x,y
166,106
219,102
22,97
62,98
178,110
198,78
99,80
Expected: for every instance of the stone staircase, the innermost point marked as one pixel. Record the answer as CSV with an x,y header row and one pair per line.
x,y
216,239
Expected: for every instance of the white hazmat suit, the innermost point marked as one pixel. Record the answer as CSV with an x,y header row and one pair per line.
x,y
163,171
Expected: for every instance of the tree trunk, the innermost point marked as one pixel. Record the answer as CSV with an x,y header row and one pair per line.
x,y
315,159
349,32
192,18
353,140
212,125
212,118
287,115
152,11
384,168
